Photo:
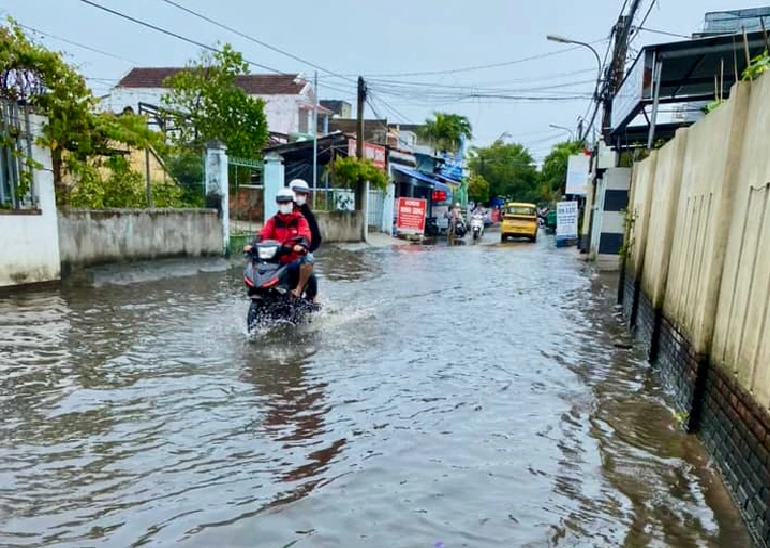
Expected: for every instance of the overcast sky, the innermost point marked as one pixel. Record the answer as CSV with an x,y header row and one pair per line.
x,y
384,40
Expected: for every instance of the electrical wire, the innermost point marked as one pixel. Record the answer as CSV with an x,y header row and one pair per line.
x,y
479,67
404,88
252,39
77,44
391,109
664,32
647,15
171,33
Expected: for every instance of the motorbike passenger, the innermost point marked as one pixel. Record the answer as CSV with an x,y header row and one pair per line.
x,y
301,193
291,229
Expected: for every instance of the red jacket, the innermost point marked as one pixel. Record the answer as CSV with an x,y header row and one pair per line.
x,y
288,229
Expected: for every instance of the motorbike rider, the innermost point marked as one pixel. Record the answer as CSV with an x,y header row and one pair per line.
x,y
291,229
457,218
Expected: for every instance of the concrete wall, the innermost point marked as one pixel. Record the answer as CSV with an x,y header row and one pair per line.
x,y
616,182
340,226
635,239
741,341
709,177
706,289
88,237
29,239
666,186
640,201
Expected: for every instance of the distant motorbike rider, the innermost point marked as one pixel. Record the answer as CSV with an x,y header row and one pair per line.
x,y
457,220
291,229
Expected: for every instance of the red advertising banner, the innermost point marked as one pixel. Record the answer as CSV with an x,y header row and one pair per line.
x,y
411,215
375,153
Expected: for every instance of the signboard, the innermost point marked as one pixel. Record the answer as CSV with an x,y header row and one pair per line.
x,y
411,215
344,200
578,171
451,172
566,223
375,153
452,167
636,87
438,196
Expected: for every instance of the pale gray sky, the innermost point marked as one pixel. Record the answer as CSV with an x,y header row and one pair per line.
x,y
382,38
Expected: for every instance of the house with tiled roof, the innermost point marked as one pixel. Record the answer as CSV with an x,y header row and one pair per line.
x,y
288,97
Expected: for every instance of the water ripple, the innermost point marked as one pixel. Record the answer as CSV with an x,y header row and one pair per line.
x,y
473,396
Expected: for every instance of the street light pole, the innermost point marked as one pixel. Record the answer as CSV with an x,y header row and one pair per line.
x,y
563,40
568,130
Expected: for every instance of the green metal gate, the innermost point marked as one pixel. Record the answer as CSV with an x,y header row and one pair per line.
x,y
245,183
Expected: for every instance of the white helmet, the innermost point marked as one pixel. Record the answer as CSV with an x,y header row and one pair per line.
x,y
284,195
299,185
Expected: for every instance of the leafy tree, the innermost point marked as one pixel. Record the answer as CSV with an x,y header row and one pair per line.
x,y
121,188
446,131
509,169
206,104
74,133
186,168
478,188
554,172
348,171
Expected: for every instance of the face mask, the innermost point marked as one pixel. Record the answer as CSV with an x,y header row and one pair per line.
x,y
301,199
286,209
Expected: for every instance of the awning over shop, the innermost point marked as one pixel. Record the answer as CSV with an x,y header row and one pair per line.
x,y
681,72
435,184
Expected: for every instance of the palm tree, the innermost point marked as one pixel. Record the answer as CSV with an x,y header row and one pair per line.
x,y
446,131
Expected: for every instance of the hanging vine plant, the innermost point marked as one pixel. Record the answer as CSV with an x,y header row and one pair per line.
x,y
348,171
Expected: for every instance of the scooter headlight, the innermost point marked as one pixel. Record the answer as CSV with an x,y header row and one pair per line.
x,y
267,252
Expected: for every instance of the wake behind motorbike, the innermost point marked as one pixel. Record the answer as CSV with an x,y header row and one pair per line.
x,y
269,286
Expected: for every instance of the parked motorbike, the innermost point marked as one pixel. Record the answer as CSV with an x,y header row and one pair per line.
x,y
477,226
269,288
431,227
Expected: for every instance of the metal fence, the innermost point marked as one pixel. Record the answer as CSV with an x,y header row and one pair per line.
x,y
246,186
15,149
374,208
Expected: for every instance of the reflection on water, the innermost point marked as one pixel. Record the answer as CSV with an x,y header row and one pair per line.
x,y
472,395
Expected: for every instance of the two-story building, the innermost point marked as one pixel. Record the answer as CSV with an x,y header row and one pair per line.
x,y
288,97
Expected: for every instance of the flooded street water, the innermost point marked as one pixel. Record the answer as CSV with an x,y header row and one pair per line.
x,y
471,396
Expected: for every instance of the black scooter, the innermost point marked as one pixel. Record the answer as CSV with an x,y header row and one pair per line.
x,y
269,288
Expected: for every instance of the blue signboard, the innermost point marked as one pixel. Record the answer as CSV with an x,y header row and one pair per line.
x,y
452,172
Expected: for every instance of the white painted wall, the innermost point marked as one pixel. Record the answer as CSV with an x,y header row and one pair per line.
x,y
30,244
281,111
389,208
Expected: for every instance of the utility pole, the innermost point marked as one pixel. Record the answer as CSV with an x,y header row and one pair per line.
x,y
361,187
616,70
315,133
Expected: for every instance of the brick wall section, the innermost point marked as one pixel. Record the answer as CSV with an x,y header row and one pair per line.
x,y
735,432
645,320
629,283
679,366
